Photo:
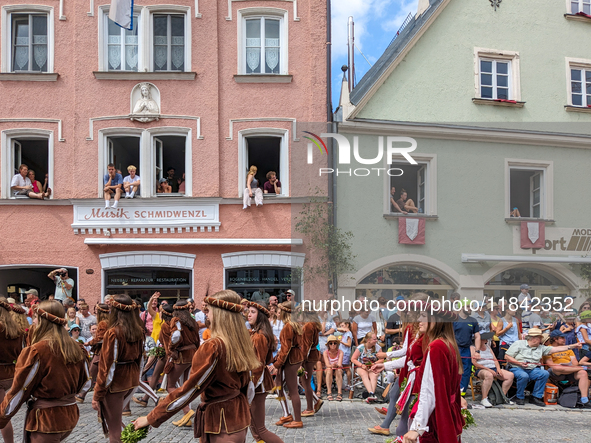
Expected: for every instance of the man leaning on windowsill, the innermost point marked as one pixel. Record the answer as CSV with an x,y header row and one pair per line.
x,y
272,185
21,185
113,182
525,356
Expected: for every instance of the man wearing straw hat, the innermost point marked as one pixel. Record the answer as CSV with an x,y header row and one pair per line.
x,y
524,357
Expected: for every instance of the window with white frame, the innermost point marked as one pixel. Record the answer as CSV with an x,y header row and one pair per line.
x,y
158,42
495,78
263,41
169,42
169,155
122,46
580,86
33,148
29,41
410,190
529,188
583,6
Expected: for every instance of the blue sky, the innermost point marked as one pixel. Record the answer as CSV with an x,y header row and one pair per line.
x,y
376,23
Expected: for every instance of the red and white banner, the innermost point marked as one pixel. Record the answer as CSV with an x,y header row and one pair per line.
x,y
533,235
411,231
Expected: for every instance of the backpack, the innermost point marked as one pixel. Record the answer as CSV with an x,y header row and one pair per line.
x,y
496,396
569,397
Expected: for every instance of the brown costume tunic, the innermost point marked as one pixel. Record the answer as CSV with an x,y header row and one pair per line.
x,y
97,342
310,342
10,349
265,356
183,342
291,348
42,373
210,378
164,337
119,365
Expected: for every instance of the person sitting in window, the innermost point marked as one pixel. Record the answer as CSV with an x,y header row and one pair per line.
x,y
515,213
21,184
252,189
131,183
182,184
113,185
37,188
272,185
173,182
395,207
406,203
163,187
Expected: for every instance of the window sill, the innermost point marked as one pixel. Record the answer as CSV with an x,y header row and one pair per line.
x,y
394,215
161,75
263,78
29,76
578,17
571,108
518,220
488,101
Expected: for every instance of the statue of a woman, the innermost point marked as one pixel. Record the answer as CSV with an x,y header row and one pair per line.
x,y
145,105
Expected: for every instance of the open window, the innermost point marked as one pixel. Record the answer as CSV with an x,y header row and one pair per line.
x,y
34,153
123,152
169,159
527,192
265,154
415,182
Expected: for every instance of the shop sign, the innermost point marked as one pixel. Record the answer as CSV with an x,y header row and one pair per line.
x,y
254,277
163,213
153,278
559,241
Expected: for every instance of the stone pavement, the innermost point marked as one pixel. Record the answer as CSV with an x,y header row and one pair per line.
x,y
347,422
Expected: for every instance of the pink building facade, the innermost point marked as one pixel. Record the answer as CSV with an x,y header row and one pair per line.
x,y
207,88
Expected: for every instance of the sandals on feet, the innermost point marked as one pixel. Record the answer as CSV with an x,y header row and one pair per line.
x,y
330,398
339,397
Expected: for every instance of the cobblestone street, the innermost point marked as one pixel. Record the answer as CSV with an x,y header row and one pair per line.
x,y
348,421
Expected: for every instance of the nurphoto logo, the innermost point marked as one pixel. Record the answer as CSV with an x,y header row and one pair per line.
x,y
394,146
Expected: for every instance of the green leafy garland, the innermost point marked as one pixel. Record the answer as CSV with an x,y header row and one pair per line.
x,y
130,435
157,351
469,420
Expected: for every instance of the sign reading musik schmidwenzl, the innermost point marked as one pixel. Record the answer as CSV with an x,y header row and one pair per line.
x,y
160,214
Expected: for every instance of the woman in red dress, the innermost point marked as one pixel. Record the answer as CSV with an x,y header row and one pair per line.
x,y
436,416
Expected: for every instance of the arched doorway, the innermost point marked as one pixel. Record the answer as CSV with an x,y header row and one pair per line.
x,y
542,284
393,280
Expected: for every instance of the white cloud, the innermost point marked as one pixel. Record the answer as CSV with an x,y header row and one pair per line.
x,y
364,12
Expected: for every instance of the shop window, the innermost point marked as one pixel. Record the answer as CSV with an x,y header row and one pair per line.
x,y
262,282
170,154
173,284
527,192
35,154
123,152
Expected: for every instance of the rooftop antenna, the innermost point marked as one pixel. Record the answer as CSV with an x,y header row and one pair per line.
x,y
351,52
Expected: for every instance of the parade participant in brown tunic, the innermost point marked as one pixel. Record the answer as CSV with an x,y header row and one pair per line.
x,y
261,334
310,330
166,312
287,363
11,345
119,365
184,342
221,373
102,318
52,370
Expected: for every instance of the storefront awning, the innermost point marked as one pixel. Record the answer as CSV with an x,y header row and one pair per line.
x,y
477,258
194,241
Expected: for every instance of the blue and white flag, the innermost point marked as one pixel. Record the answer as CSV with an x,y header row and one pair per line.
x,y
121,13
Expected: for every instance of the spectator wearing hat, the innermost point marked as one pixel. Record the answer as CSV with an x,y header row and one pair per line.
x,y
333,361
488,369
564,366
163,187
466,330
525,357
290,296
31,295
75,332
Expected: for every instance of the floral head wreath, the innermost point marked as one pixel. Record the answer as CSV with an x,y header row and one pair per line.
x,y
264,310
98,308
47,316
181,307
283,308
223,304
123,307
17,309
6,305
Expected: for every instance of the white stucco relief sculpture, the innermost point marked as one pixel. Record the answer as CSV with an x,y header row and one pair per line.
x,y
145,101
